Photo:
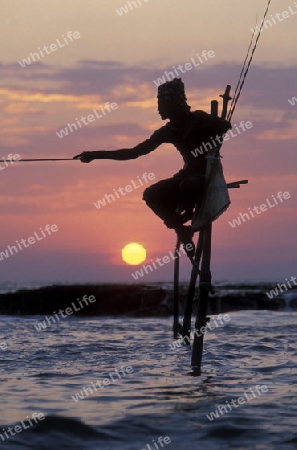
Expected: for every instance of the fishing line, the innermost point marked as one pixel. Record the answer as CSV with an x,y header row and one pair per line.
x,y
38,159
230,114
243,68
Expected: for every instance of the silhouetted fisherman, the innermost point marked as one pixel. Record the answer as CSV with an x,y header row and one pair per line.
x,y
174,199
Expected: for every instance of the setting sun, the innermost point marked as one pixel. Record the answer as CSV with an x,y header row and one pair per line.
x,y
133,253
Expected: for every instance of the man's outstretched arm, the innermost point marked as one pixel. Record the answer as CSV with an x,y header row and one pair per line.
x,y
145,147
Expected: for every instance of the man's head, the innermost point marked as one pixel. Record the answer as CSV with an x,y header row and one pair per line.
x,y
172,100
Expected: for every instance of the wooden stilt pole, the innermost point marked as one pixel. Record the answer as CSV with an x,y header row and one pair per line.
x,y
203,250
205,273
176,291
204,289
186,328
204,284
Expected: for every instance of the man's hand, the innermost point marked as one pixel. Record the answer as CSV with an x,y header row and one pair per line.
x,y
85,157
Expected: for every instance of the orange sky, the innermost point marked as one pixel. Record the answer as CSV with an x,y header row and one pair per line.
x,y
116,59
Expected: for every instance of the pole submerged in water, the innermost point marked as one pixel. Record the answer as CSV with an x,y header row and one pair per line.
x,y
176,291
205,273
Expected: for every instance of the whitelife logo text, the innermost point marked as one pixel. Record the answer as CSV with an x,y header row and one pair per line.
x,y
47,50
280,287
160,261
259,209
89,390
222,409
218,140
130,4
49,320
22,426
183,68
145,178
86,120
269,23
9,160
11,250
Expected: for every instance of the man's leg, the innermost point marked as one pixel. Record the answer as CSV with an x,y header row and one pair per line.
x,y
191,189
164,198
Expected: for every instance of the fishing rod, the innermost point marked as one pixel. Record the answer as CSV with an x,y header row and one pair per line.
x,y
36,159
243,78
242,70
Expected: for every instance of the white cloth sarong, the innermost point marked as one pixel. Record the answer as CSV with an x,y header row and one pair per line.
x,y
215,197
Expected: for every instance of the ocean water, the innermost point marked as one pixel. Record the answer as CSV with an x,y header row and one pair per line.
x,y
159,395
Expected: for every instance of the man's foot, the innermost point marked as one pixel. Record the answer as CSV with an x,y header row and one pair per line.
x,y
185,235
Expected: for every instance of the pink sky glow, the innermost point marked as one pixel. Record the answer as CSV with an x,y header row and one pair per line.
x,y
116,59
